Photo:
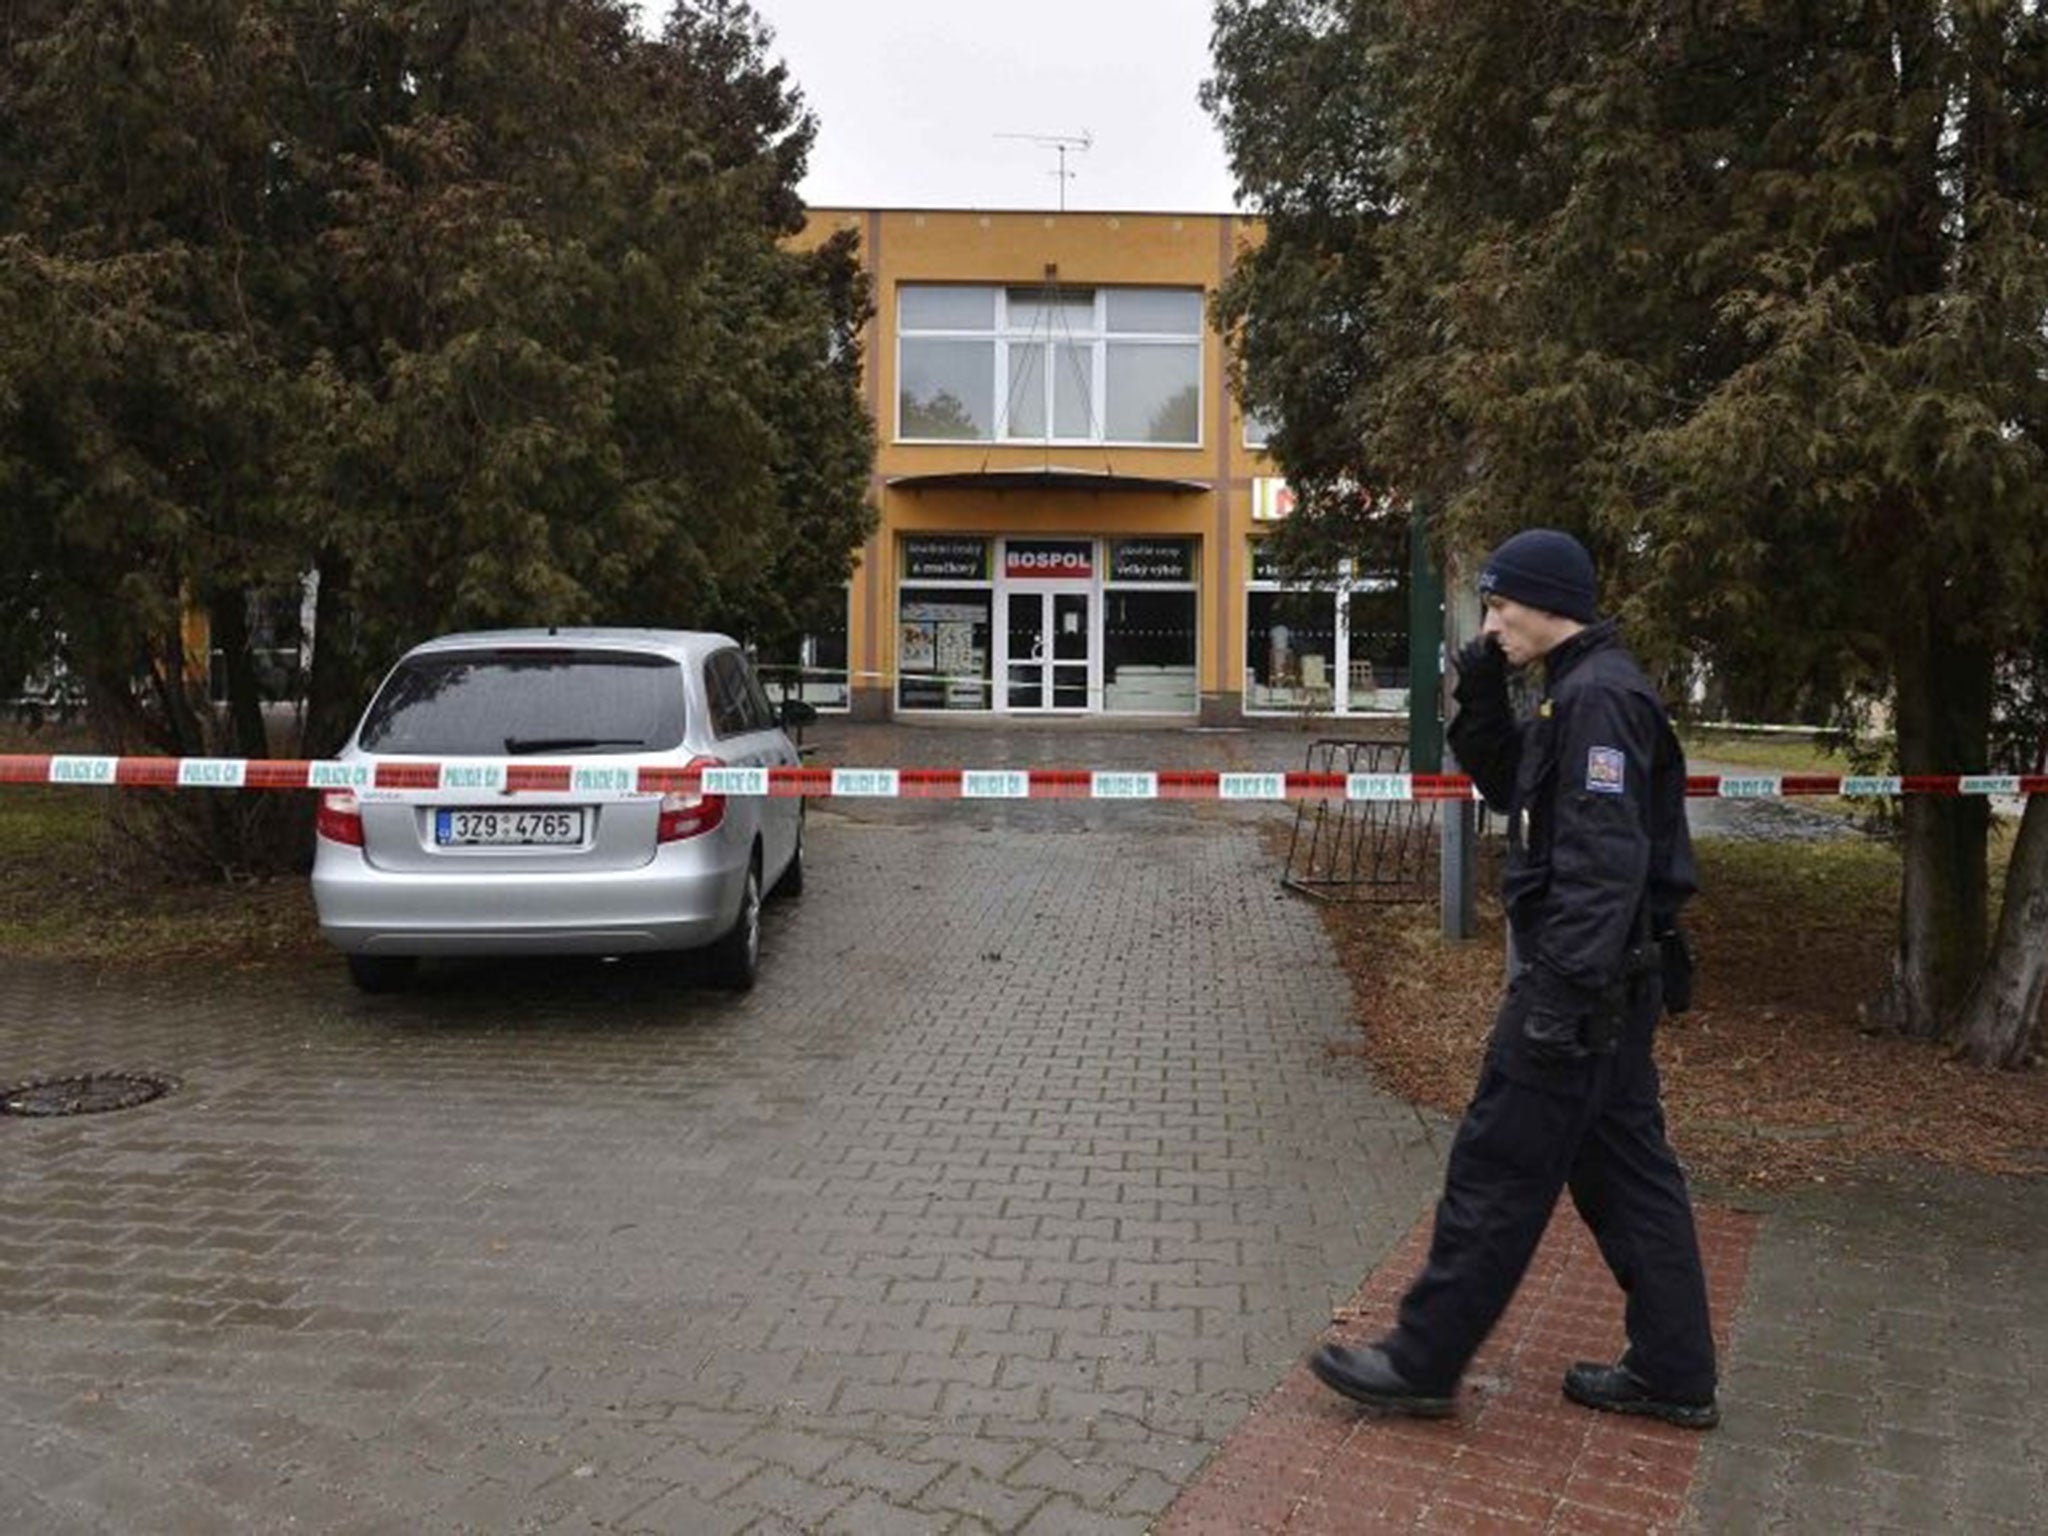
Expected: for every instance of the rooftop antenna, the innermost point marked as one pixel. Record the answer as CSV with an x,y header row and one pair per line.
x,y
1060,143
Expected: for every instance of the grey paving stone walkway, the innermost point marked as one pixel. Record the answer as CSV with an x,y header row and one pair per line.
x,y
1023,1174
1889,1366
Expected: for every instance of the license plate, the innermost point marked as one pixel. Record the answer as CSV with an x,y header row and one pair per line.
x,y
508,829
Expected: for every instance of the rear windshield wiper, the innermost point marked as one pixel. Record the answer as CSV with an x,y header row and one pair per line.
x,y
522,745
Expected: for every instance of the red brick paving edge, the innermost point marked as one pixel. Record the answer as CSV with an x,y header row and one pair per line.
x,y
1518,1457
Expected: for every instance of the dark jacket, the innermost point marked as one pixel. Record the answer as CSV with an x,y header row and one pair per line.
x,y
1593,786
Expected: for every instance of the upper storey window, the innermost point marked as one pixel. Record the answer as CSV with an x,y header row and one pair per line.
x,y
1049,365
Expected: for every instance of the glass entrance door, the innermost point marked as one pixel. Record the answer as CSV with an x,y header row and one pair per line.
x,y
1050,654
1070,653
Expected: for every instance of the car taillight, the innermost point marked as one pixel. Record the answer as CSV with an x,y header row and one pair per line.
x,y
685,815
340,819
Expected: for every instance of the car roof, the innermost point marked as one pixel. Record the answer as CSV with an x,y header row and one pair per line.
x,y
681,644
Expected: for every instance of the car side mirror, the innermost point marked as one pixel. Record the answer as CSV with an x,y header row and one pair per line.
x,y
796,712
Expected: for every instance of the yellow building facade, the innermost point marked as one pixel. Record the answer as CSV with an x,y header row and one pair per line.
x,y
1071,501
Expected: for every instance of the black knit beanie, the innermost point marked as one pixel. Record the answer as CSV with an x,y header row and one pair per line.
x,y
1544,569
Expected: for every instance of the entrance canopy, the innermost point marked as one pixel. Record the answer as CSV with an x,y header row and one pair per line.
x,y
1049,477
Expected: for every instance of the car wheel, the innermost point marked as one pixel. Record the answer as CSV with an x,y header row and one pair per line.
x,y
792,881
736,958
381,973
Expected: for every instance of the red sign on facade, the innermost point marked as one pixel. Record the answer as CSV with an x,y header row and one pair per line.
x,y
1049,559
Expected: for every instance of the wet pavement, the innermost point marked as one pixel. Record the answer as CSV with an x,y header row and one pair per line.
x,y
1889,1368
1029,1171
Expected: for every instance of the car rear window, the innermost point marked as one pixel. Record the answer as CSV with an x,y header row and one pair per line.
x,y
498,703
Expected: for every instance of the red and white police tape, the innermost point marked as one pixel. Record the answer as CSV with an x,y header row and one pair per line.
x,y
611,781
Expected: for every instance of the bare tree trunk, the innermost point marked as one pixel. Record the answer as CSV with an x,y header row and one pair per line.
x,y
185,728
112,715
2004,1008
1944,723
247,831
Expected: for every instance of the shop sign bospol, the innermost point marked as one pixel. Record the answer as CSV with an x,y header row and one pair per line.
x,y
1049,559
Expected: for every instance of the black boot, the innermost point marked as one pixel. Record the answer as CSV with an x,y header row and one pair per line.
x,y
1367,1376
1617,1389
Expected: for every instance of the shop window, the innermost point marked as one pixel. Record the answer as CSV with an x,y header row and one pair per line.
x,y
1291,641
814,669
1339,646
1149,653
943,649
1150,646
1378,664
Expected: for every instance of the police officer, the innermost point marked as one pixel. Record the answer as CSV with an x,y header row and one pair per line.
x,y
1599,862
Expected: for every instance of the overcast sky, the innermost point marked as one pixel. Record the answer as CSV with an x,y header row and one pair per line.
x,y
911,96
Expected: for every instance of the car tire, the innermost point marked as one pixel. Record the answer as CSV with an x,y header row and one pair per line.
x,y
736,958
792,881
381,973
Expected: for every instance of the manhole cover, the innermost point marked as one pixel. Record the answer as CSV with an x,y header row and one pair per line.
x,y
91,1094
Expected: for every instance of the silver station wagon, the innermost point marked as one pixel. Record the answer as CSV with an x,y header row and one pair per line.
x,y
477,861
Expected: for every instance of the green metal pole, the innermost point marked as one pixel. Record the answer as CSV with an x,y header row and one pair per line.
x,y
1425,650
1457,825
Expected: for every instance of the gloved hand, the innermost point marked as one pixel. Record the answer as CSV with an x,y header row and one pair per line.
x,y
1551,1037
1482,673
1677,961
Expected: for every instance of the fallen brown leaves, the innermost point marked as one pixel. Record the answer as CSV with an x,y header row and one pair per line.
x,y
1770,1079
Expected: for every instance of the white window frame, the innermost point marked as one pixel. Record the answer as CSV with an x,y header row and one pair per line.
x,y
1097,338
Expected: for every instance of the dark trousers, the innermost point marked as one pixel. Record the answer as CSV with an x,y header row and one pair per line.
x,y
1532,1130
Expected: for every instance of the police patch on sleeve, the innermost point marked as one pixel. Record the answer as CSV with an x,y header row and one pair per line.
x,y
1606,770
